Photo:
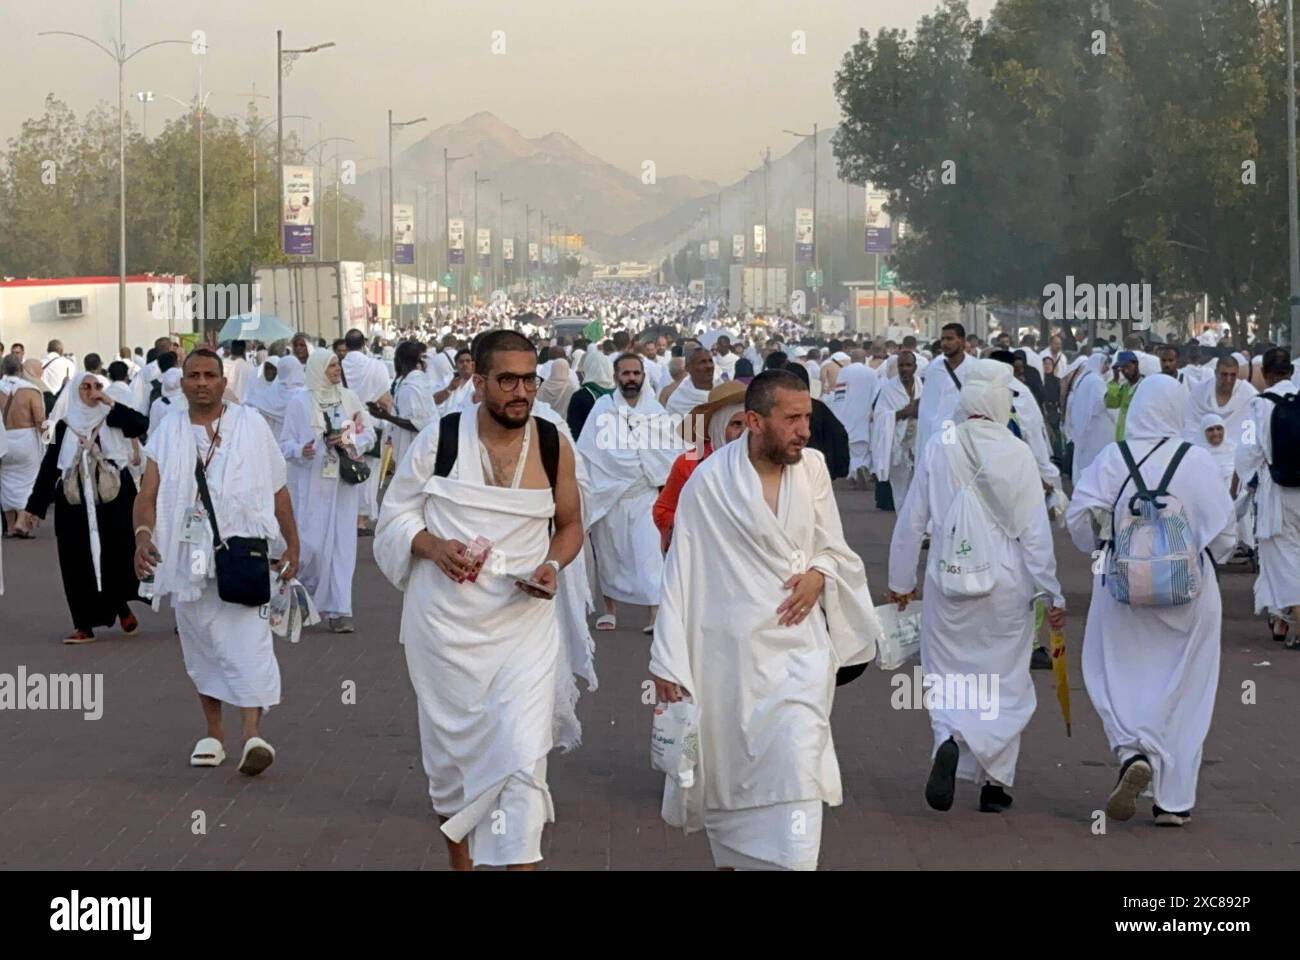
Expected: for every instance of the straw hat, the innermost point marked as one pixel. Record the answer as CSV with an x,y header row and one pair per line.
x,y
723,395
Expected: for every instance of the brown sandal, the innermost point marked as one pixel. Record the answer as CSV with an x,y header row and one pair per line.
x,y
79,636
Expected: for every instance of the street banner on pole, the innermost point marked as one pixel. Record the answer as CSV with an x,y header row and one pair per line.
x,y
880,235
760,239
532,253
508,249
803,233
737,247
713,250
456,241
403,233
484,243
704,251
299,217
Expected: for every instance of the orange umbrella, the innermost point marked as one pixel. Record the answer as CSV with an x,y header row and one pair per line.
x,y
1061,669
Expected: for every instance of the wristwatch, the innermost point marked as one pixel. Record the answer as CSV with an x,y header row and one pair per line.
x,y
555,564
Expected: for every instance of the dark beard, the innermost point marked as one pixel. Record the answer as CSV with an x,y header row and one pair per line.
x,y
505,420
633,394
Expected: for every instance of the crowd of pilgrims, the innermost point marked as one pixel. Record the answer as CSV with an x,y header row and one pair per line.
x,y
914,422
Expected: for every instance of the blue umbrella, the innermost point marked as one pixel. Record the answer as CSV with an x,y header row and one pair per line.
x,y
254,326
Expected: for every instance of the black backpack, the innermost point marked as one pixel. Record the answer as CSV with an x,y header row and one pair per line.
x,y
548,437
1284,429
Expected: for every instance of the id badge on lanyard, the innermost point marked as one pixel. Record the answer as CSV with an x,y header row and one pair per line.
x,y
196,519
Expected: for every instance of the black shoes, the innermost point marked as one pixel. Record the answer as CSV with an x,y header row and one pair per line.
x,y
1134,777
1041,659
1167,818
941,788
993,799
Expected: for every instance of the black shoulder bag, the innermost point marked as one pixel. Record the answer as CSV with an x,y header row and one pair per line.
x,y
243,563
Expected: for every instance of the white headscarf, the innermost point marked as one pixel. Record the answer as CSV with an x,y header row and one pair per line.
x,y
1157,410
1007,478
83,421
262,393
717,426
558,388
171,382
1225,453
325,394
597,369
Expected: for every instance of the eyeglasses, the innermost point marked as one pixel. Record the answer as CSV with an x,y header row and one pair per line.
x,y
510,381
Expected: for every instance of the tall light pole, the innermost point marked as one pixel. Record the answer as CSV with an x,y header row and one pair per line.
x,y
478,257
284,61
200,107
447,161
145,97
816,238
501,239
257,134
528,240
120,57
1291,177
319,147
394,293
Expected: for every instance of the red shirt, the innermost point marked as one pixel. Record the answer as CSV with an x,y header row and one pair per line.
x,y
665,509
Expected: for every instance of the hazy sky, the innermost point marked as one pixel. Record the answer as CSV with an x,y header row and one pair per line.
x,y
699,86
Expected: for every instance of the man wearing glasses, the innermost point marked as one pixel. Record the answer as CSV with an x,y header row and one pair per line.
x,y
481,516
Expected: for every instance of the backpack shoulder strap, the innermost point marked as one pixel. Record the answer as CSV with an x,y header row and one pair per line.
x,y
448,444
548,436
1174,461
1134,470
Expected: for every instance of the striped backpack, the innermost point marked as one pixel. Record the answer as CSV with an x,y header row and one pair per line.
x,y
1153,560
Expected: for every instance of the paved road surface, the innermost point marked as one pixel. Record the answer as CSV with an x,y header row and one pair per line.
x,y
347,791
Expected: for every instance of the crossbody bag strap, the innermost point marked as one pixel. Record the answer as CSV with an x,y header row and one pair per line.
x,y
200,476
951,373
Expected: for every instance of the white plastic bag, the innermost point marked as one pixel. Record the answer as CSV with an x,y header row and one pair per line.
x,y
902,634
291,608
964,559
675,740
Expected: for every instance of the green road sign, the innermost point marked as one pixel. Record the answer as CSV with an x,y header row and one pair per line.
x,y
447,279
814,278
477,283
888,278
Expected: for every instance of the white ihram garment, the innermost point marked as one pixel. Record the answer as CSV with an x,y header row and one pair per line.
x,y
1152,672
938,399
990,635
1089,424
227,647
893,441
855,391
367,377
483,656
22,461
325,508
629,452
1277,516
767,762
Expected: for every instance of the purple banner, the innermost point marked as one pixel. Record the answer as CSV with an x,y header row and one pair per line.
x,y
404,253
299,240
880,239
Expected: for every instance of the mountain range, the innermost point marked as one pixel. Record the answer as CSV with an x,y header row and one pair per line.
x,y
620,217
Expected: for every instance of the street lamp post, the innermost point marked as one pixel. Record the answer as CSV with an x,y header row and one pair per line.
x,y
394,292
477,256
145,97
501,239
284,60
1293,228
816,245
528,242
447,161
120,57
256,134
319,147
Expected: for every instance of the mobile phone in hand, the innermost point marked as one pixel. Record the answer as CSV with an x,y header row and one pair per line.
x,y
535,585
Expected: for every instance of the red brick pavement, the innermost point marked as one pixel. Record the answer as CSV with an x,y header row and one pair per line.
x,y
347,791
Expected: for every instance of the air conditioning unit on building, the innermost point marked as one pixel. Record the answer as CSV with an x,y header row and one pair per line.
x,y
72,306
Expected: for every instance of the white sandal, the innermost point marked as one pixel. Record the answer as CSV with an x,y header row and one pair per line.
x,y
606,621
208,752
258,755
